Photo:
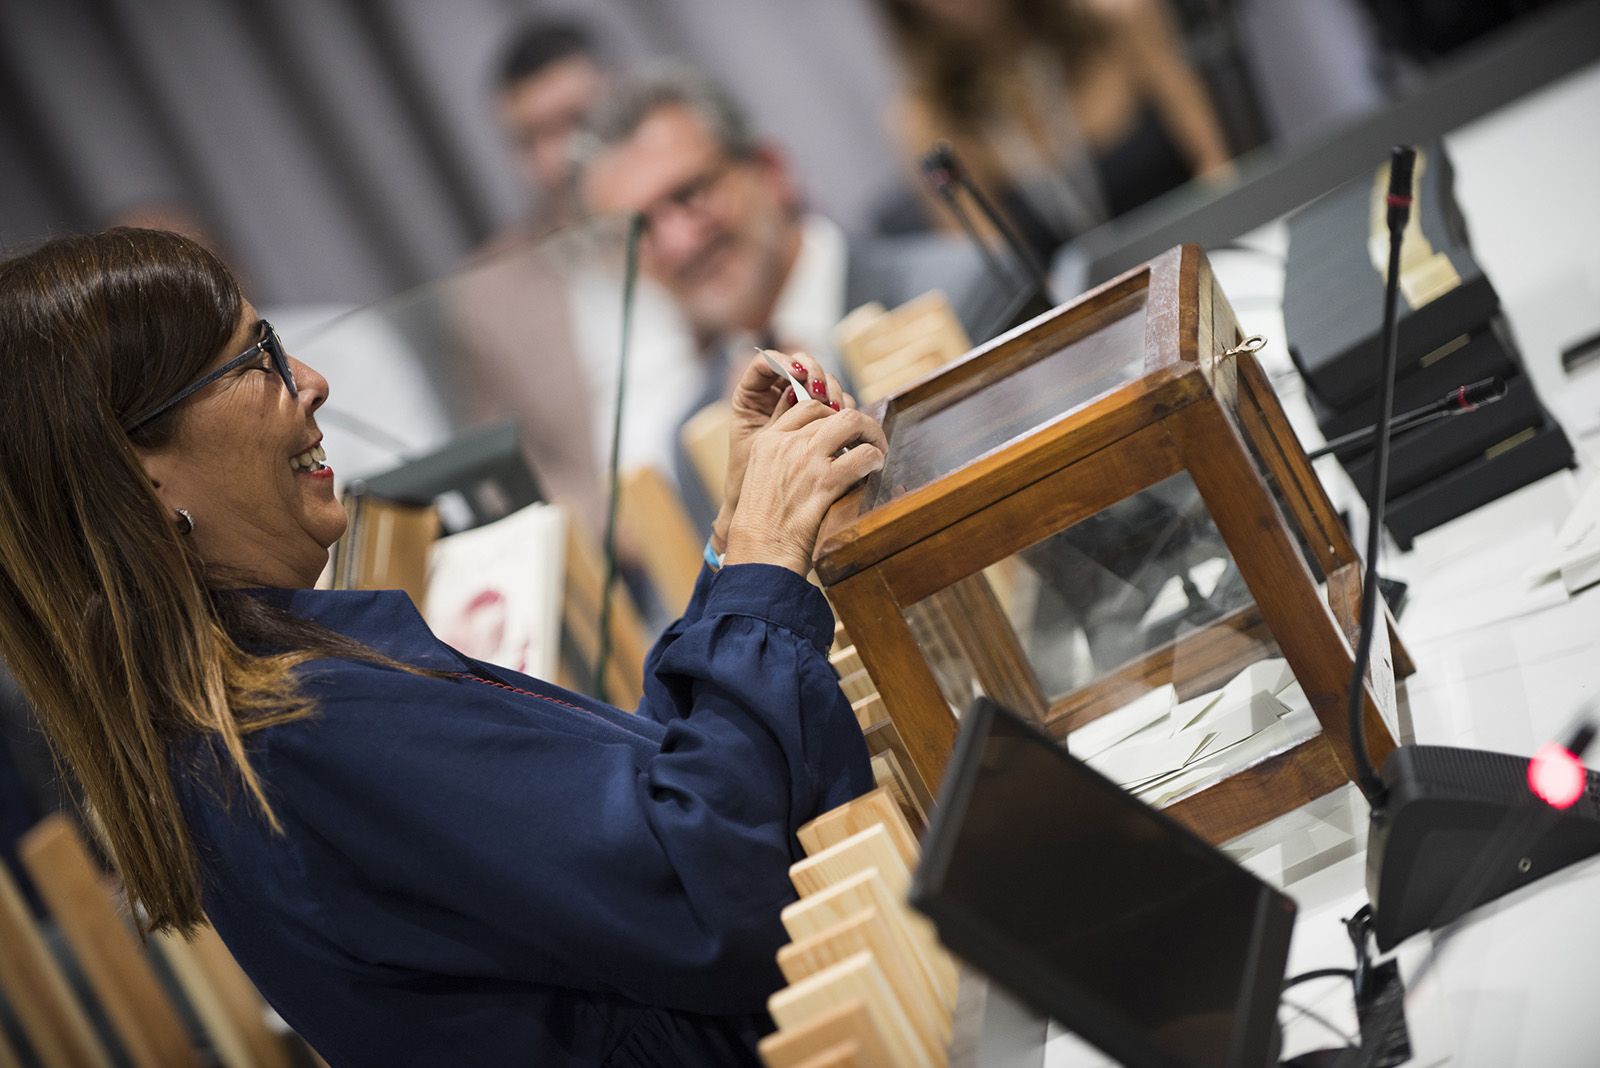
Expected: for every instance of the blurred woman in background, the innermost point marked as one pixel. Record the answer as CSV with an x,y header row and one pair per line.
x,y
1069,112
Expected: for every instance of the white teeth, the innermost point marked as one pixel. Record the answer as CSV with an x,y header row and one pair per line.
x,y
310,460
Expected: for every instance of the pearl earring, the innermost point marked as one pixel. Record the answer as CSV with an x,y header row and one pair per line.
x,y
185,522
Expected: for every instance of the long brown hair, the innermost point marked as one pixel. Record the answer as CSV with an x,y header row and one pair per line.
x,y
960,82
117,634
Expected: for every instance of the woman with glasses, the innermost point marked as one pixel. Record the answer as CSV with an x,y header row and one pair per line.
x,y
419,858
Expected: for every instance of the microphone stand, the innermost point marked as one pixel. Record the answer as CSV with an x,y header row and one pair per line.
x,y
630,275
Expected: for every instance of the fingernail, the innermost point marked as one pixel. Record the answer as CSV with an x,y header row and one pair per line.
x,y
789,393
800,371
820,388
834,405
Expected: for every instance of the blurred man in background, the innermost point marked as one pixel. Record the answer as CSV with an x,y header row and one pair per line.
x,y
727,236
549,79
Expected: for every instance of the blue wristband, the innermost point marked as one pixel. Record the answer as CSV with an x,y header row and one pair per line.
x,y
713,558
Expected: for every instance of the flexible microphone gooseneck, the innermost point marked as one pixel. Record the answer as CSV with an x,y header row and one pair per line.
x,y
1459,401
630,276
947,178
1401,162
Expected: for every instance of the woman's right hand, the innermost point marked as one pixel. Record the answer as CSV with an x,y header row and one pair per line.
x,y
795,472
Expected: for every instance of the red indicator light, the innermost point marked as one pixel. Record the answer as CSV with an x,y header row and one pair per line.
x,y
1557,776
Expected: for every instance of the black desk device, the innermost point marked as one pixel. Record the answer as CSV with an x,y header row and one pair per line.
x,y
1096,909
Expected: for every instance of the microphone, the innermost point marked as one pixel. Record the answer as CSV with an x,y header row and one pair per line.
x,y
1451,828
1459,401
948,178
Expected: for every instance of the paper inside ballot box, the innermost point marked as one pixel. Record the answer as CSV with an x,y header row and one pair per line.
x,y
1156,736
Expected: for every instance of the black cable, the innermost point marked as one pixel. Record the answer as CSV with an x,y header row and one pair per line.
x,y
630,275
1401,161
1356,437
1319,973
1348,1040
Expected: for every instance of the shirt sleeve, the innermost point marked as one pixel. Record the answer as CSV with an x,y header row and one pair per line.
x,y
452,834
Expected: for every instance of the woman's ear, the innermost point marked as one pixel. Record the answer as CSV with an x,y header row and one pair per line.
x,y
160,467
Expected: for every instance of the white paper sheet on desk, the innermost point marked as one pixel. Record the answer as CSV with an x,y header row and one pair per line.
x,y
1094,738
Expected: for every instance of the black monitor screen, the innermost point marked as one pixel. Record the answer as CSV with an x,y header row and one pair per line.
x,y
1095,908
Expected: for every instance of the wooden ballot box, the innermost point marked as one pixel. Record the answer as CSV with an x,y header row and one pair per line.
x,y
1102,507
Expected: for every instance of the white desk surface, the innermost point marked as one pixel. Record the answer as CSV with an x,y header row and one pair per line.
x,y
1501,666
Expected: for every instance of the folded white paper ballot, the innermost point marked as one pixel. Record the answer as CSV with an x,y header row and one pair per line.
x,y
1094,738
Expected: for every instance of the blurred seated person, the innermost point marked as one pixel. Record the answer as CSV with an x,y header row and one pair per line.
x,y
727,235
417,857
534,316
1069,112
550,77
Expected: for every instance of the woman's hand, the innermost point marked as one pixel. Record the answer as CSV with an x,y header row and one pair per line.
x,y
759,394
794,472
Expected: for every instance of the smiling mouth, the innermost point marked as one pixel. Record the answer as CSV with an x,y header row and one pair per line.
x,y
310,461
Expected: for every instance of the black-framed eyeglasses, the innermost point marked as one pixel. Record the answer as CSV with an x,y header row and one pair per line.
x,y
693,196
268,344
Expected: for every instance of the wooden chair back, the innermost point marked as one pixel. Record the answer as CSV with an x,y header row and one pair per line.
x,y
143,1018
652,515
580,623
885,350
705,438
32,981
229,1006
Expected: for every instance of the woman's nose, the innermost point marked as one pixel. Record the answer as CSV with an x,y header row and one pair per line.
x,y
313,388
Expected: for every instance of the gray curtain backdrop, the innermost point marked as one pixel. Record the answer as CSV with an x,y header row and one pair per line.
x,y
341,150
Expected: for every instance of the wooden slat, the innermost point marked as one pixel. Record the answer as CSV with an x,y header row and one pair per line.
x,y
9,1058
869,810
869,710
145,1021
857,979
580,618
657,524
888,773
867,931
845,662
841,1055
867,890
848,1022
32,981
386,547
870,848
704,437
858,686
227,1003
906,786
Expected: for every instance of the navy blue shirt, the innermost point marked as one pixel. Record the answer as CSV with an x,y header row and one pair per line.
x,y
487,869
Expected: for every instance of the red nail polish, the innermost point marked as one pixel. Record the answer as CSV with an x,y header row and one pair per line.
x,y
834,405
820,388
800,371
789,394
